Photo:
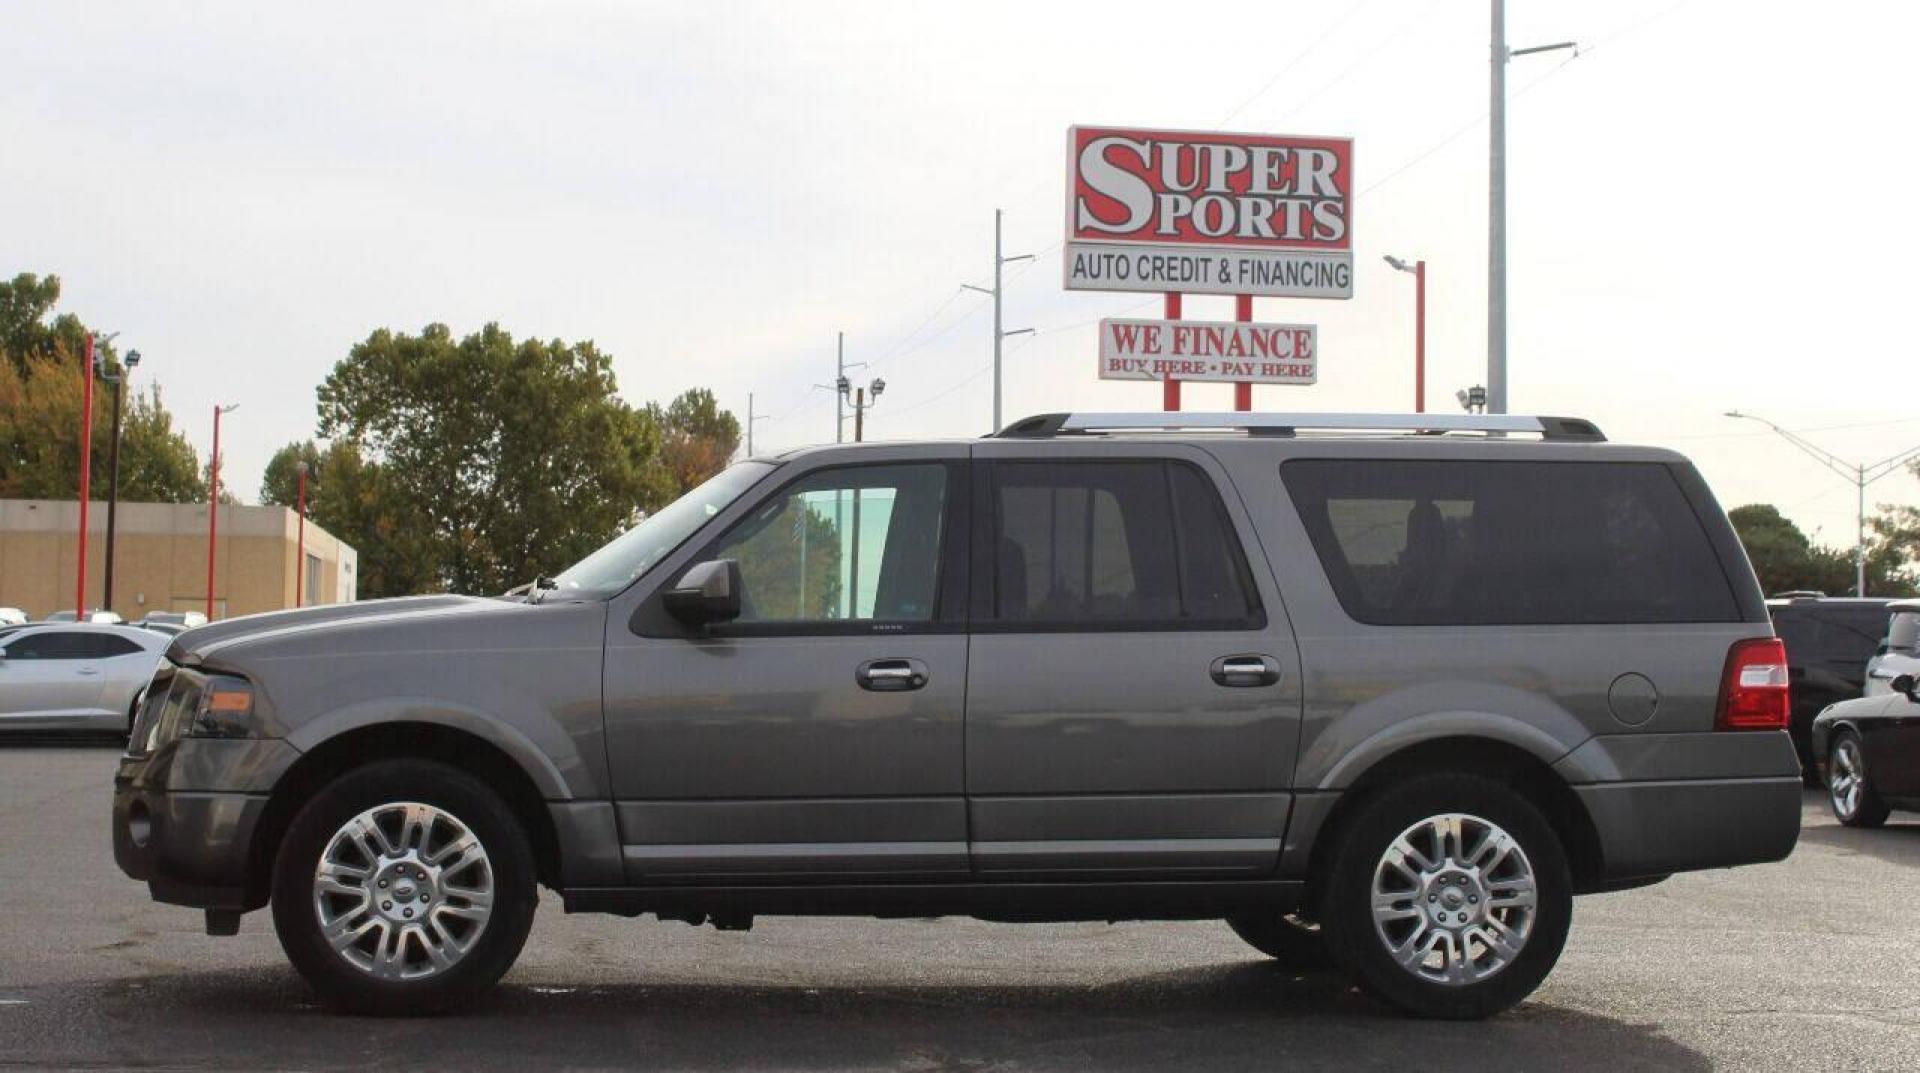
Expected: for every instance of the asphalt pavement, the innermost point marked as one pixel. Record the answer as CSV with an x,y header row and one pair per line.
x,y
1810,964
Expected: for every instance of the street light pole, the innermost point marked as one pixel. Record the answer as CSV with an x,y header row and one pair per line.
x,y
1419,270
86,465
861,402
1497,206
118,380
1860,473
300,542
213,499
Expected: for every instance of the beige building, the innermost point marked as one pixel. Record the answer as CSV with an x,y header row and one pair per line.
x,y
161,558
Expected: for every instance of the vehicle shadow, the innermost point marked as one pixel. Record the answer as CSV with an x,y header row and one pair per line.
x,y
1896,843
1243,1015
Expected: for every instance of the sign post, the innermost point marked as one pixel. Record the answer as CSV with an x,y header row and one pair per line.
x,y
1204,212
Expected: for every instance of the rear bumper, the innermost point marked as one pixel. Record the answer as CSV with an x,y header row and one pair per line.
x,y
1657,828
1663,803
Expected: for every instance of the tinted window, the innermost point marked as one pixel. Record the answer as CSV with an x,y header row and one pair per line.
x,y
108,645
1417,543
1113,543
52,644
856,544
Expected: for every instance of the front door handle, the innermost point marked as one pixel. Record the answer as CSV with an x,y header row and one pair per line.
x,y
891,675
88,670
1246,671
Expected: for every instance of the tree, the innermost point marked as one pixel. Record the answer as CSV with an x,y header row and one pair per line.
x,y
697,438
490,460
349,497
1786,560
25,303
40,438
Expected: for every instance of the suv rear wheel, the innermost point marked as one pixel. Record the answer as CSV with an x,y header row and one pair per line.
x,y
403,887
1449,896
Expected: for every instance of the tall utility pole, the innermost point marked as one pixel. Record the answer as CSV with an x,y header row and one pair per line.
x,y
840,387
1497,207
118,380
1860,474
998,335
751,418
213,499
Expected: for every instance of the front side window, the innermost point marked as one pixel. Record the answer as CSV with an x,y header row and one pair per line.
x,y
1115,544
858,544
624,558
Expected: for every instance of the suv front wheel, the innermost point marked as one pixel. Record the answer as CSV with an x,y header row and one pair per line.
x,y
403,887
1449,896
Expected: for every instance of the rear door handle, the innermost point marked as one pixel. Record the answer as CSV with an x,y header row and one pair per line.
x,y
1246,671
891,675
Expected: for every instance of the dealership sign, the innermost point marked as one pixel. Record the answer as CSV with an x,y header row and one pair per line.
x,y
1230,351
1208,213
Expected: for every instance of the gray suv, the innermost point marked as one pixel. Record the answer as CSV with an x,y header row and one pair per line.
x,y
1386,689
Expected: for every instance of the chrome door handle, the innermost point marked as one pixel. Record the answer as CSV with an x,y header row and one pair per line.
x,y
891,675
1246,671
88,670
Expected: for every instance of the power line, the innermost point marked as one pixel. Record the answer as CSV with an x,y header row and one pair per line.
x,y
1291,64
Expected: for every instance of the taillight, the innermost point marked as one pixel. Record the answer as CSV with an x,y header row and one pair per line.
x,y
1753,691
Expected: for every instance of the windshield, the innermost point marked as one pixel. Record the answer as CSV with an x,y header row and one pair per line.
x,y
630,554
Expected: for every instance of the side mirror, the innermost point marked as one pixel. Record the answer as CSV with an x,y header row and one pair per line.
x,y
707,593
1904,684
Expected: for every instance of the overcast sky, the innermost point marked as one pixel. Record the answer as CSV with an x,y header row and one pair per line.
x,y
1710,207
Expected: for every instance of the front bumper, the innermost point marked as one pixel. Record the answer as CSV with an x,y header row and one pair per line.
x,y
184,819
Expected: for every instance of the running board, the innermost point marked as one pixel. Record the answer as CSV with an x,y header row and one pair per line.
x,y
1006,901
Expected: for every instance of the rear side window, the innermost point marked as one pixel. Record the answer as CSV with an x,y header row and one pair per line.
x,y
1141,543
1442,543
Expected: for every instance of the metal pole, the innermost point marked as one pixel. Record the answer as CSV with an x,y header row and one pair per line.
x,y
996,320
1860,538
1497,218
749,424
213,506
86,466
1420,337
859,425
300,542
1243,390
113,491
839,397
1170,388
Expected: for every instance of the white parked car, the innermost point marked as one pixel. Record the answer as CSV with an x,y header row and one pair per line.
x,y
1900,653
74,676
96,615
12,616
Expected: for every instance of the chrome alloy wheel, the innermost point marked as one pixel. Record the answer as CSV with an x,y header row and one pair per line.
x,y
403,891
1454,899
1847,781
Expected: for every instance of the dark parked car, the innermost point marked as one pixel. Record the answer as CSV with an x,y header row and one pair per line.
x,y
1391,687
1829,641
1870,750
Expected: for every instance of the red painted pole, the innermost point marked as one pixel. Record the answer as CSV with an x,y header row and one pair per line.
x,y
1243,391
1170,388
213,506
86,472
300,545
1420,337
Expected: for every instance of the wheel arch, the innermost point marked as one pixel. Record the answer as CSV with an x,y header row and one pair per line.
x,y
1523,770
361,745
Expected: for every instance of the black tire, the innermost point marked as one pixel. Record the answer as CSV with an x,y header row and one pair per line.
x,y
1346,912
1285,937
509,857
1871,810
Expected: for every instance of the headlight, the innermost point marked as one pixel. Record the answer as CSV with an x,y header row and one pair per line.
x,y
225,709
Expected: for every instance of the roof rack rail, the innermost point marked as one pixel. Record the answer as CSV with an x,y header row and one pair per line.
x,y
1047,426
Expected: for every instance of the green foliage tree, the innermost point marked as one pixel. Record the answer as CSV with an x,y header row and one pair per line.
x,y
26,302
348,496
491,460
40,401
697,437
1786,560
